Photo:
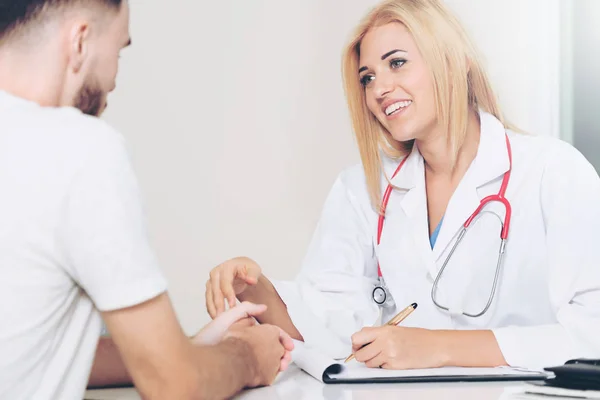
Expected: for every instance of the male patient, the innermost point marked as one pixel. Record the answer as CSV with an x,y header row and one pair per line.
x,y
73,246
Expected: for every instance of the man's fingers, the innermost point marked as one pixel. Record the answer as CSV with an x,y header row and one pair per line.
x,y
286,340
243,311
243,323
286,361
251,309
210,306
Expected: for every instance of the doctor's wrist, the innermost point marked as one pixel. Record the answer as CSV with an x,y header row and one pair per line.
x,y
253,293
443,347
469,348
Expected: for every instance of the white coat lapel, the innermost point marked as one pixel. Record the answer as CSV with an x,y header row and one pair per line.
x,y
490,163
462,204
414,205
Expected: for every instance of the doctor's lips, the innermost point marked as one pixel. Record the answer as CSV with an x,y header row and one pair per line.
x,y
393,107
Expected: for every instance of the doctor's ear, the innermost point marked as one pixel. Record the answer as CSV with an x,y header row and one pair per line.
x,y
78,45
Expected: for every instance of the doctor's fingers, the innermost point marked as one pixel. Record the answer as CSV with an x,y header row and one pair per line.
x,y
364,336
368,352
379,361
226,277
210,306
219,301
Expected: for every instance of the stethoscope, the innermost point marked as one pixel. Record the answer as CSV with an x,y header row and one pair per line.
x,y
381,294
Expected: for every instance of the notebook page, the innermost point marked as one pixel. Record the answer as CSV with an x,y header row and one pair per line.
x,y
311,361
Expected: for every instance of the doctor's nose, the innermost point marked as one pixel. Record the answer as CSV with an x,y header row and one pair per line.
x,y
384,85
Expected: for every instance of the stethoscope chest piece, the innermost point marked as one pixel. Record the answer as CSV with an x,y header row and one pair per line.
x,y
381,295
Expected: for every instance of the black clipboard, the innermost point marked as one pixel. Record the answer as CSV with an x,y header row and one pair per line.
x,y
337,368
576,374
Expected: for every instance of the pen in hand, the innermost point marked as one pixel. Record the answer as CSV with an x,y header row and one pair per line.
x,y
394,321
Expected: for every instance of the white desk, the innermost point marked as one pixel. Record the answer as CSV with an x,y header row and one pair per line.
x,y
294,384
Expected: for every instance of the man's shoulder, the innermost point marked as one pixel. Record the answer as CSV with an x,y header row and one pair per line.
x,y
77,130
66,133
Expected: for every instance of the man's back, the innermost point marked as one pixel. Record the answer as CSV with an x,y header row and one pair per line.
x,y
60,172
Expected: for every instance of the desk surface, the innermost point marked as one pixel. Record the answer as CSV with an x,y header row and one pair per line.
x,y
294,384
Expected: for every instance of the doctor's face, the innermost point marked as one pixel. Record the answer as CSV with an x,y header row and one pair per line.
x,y
397,83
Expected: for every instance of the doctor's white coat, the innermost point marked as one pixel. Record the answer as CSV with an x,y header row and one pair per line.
x,y
547,304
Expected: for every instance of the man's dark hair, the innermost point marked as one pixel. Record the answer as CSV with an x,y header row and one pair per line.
x,y
16,14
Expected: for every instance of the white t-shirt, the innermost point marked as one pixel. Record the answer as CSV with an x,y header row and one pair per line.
x,y
72,242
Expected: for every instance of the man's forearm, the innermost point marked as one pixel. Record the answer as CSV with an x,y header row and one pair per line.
x,y
264,293
108,369
225,369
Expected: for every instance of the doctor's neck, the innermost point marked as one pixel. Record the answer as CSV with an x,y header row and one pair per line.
x,y
437,153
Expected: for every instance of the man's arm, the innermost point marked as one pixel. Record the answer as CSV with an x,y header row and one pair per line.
x,y
109,369
163,362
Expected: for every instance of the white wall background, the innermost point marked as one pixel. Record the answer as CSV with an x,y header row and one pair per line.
x,y
584,43
236,118
520,40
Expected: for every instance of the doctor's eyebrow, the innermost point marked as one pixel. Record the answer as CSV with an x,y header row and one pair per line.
x,y
383,57
389,53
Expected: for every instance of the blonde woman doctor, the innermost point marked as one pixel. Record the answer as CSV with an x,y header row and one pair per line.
x,y
521,287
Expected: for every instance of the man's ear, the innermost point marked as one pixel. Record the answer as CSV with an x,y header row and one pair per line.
x,y
79,36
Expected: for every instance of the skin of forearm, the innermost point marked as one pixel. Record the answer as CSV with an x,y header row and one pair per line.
x,y
108,369
264,293
207,372
471,348
225,369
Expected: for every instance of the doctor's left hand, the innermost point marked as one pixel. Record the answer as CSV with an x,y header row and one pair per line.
x,y
396,347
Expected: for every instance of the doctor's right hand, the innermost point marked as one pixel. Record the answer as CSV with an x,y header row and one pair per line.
x,y
228,280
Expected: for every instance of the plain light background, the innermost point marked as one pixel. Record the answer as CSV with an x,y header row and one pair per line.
x,y
237,123
585,69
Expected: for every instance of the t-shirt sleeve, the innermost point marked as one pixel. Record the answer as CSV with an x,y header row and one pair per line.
x,y
104,234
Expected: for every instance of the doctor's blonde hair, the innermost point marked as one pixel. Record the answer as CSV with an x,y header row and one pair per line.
x,y
460,82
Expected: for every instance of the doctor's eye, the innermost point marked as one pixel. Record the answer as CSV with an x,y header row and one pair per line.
x,y
397,63
366,79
